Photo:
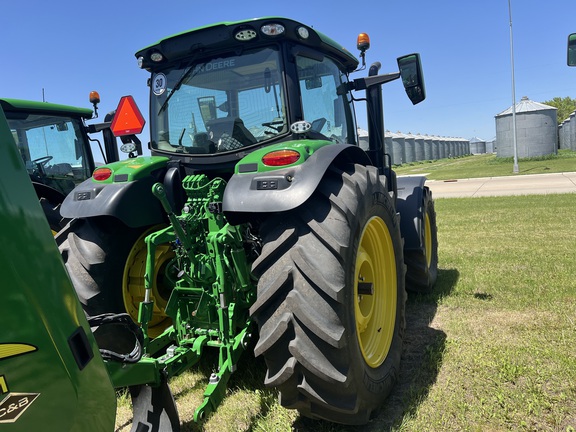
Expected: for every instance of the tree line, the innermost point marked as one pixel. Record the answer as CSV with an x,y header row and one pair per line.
x,y
565,106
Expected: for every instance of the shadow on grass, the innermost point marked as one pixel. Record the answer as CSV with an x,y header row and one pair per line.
x,y
421,361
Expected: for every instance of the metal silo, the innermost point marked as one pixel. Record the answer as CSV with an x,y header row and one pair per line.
x,y
397,148
461,147
363,139
572,131
561,136
442,151
388,143
565,141
451,147
435,147
418,147
428,155
477,145
536,130
490,145
409,147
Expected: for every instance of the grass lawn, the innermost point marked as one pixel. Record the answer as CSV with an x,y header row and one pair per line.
x,y
492,348
488,165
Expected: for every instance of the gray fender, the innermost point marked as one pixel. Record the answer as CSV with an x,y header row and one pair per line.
x,y
131,202
409,204
287,188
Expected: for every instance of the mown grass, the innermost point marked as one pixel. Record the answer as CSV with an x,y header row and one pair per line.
x,y
509,360
492,348
488,165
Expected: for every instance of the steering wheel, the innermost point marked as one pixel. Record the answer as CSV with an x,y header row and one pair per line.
x,y
276,125
41,162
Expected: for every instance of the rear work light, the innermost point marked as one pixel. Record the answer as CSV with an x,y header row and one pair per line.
x,y
280,158
245,35
101,174
272,29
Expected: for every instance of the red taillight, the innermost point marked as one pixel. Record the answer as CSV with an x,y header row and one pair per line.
x,y
102,174
280,158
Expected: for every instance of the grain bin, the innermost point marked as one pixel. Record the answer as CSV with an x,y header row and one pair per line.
x,y
572,131
363,139
536,130
562,135
409,147
491,145
418,147
566,133
442,147
388,143
435,147
477,145
397,148
428,155
451,141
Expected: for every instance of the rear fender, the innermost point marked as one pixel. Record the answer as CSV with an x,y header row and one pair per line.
x,y
51,194
409,202
131,202
283,189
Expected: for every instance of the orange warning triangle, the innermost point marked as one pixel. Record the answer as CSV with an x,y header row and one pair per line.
x,y
128,119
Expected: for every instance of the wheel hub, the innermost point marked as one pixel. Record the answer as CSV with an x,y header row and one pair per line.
x,y
375,292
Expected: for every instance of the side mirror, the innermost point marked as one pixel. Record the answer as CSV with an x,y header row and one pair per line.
x,y
412,77
572,50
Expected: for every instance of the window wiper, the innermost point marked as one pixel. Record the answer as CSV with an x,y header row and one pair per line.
x,y
187,74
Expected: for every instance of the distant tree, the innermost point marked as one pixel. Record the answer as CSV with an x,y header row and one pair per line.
x,y
565,107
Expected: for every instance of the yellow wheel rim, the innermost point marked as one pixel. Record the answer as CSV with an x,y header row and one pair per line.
x,y
375,292
133,287
428,240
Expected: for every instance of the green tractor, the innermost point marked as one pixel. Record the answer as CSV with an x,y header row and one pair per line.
x,y
256,217
54,143
52,376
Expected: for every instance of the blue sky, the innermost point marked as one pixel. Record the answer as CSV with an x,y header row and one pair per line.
x,y
70,48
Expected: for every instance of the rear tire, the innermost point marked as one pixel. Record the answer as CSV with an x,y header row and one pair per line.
x,y
422,265
106,261
52,213
331,348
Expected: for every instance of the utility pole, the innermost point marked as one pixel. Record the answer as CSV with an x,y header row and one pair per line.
x,y
515,169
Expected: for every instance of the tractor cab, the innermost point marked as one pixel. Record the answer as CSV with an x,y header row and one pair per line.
x,y
244,86
220,92
52,142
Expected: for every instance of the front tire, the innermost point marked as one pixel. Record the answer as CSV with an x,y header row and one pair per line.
x,y
422,264
331,298
106,261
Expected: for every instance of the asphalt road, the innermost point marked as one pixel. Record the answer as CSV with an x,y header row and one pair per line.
x,y
500,186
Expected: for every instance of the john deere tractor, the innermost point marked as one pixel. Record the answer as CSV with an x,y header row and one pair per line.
x,y
54,143
52,377
257,216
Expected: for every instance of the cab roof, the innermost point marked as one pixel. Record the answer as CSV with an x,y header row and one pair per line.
x,y
20,105
219,36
